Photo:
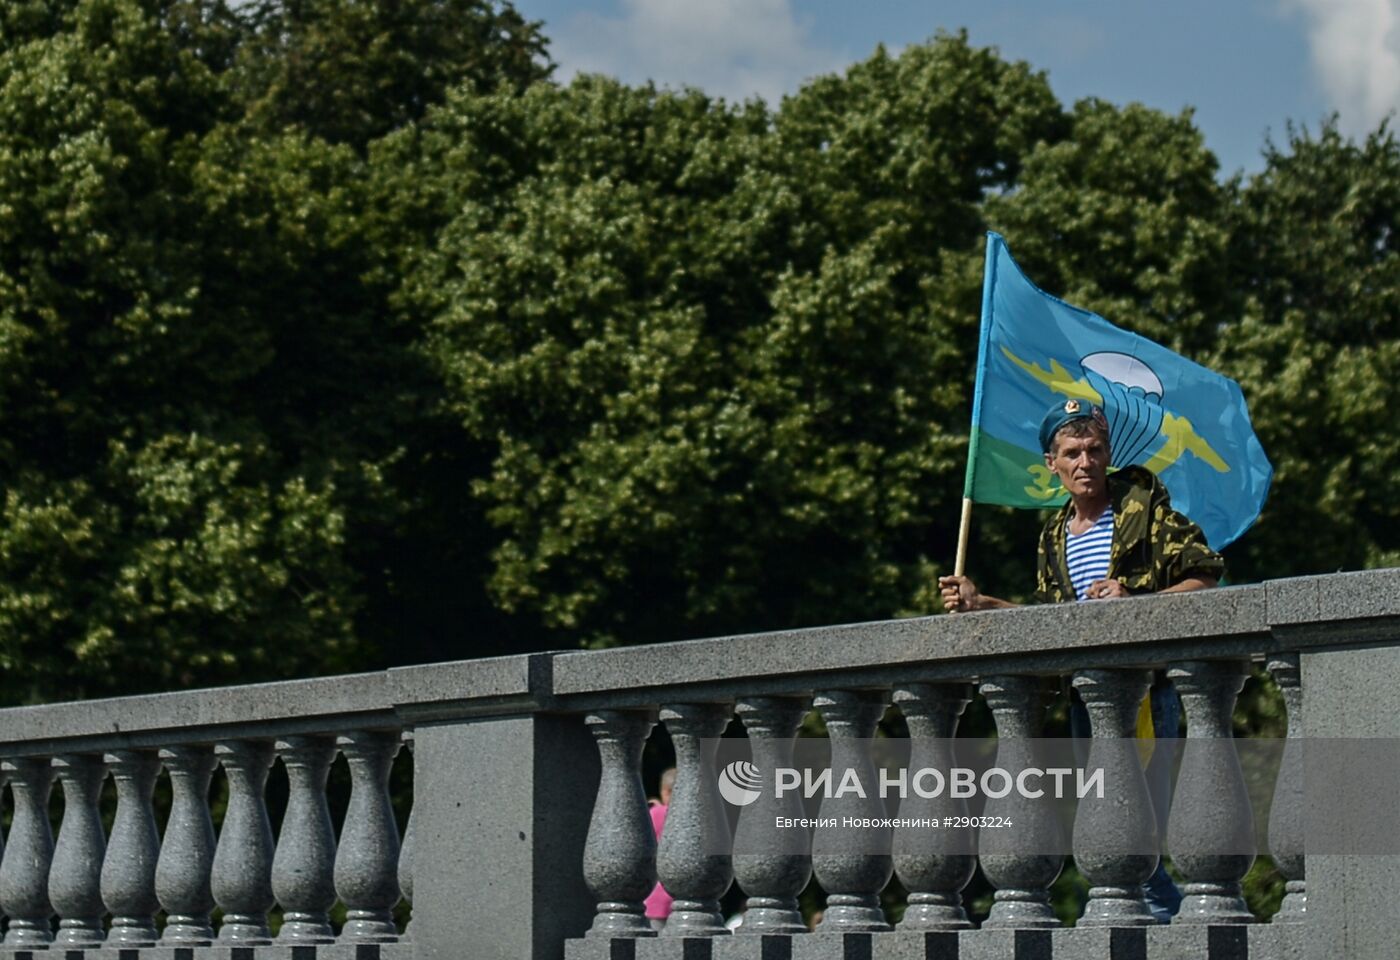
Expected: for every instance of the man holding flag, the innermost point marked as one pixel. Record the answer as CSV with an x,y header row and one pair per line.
x,y
1112,396
1117,534
1165,421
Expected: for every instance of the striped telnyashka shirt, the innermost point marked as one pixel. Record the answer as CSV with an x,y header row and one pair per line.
x,y
1087,554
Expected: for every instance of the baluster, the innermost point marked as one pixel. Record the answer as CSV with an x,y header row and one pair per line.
x,y
1286,814
76,875
933,865
406,855
1018,862
619,857
129,869
852,865
187,853
1115,838
688,860
772,865
241,875
24,869
302,869
368,858
1211,830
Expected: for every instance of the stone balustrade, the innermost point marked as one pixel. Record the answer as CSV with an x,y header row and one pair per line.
x,y
105,892
529,835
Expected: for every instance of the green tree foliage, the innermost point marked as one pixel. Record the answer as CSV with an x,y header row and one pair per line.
x,y
350,71
699,342
166,522
1125,217
1318,264
216,444
332,331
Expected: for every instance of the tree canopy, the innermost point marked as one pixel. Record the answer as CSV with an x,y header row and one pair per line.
x,y
335,333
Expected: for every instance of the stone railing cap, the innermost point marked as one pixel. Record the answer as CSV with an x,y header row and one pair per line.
x,y
1229,622
361,693
1127,625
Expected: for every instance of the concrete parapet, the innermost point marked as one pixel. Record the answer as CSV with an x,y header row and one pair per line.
x,y
531,828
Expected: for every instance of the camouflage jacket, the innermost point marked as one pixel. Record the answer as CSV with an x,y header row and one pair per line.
x,y
1154,546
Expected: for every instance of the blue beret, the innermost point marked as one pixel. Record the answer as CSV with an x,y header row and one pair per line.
x,y
1063,412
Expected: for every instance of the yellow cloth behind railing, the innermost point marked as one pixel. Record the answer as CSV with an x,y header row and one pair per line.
x,y
1144,729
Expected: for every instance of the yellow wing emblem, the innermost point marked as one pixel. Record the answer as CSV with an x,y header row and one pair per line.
x,y
1181,437
1057,378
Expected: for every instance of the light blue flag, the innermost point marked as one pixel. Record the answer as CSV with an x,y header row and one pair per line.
x,y
1184,422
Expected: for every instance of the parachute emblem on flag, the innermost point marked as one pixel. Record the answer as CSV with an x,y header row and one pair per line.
x,y
1132,398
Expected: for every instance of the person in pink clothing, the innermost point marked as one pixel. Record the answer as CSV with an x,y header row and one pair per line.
x,y
658,903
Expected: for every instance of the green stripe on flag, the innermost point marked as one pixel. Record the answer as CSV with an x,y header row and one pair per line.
x,y
1012,475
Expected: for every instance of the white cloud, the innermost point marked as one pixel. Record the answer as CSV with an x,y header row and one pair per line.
x,y
1356,53
730,48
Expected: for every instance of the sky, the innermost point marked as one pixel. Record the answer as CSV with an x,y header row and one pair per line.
x,y
1246,67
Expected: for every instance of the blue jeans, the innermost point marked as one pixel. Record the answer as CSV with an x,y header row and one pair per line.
x,y
1160,891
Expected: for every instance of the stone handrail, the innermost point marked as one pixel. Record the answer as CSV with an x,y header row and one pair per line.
x,y
528,828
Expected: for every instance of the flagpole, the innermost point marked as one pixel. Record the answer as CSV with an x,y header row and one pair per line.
x,y
984,335
960,563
